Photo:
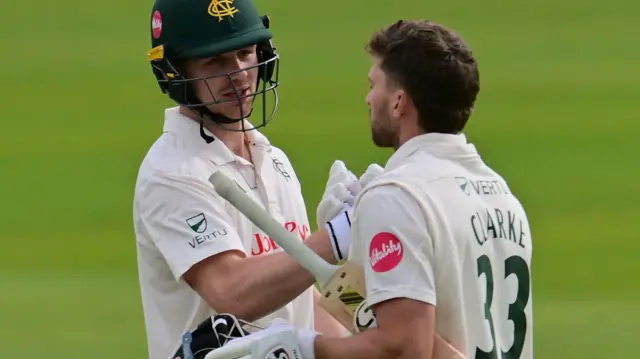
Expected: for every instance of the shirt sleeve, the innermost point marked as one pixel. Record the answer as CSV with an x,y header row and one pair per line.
x,y
186,221
391,241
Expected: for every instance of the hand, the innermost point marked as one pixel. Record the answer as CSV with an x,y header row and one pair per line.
x,y
342,190
278,338
337,196
373,171
334,210
342,197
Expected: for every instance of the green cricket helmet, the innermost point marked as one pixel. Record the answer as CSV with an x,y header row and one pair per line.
x,y
188,29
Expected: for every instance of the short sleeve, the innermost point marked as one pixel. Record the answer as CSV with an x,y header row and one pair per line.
x,y
186,221
391,241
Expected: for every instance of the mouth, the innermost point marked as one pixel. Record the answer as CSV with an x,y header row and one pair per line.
x,y
243,93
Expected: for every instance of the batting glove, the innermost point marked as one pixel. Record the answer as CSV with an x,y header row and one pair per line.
x,y
338,195
373,171
343,196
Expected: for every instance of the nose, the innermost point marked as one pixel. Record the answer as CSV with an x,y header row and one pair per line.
x,y
238,70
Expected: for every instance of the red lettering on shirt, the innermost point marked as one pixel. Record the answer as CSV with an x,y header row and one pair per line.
x,y
263,244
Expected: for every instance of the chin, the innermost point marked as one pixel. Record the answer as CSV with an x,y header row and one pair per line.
x,y
234,112
382,140
246,111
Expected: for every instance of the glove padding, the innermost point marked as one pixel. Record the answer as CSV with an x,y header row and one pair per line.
x,y
337,195
341,190
212,333
280,339
341,196
373,171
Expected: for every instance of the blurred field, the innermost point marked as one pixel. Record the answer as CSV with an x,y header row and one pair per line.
x,y
556,116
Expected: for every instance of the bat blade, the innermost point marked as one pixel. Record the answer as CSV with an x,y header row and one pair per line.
x,y
344,296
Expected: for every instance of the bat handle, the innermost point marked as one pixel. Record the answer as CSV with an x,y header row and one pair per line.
x,y
305,256
232,350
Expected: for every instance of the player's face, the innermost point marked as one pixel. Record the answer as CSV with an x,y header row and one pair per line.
x,y
384,129
239,83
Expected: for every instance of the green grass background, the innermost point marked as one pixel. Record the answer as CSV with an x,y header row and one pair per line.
x,y
557,115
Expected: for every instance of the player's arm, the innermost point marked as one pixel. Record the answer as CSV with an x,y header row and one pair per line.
x,y
405,330
324,322
253,287
213,262
400,285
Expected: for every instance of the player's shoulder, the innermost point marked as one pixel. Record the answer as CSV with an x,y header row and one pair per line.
x,y
415,172
282,164
391,187
428,167
428,170
168,160
428,177
280,155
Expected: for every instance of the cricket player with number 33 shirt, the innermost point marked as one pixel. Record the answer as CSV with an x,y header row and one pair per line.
x,y
445,245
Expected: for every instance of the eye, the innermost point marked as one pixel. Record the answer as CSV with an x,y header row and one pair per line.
x,y
247,52
212,61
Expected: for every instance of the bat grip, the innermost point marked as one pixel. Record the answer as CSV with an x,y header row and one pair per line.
x,y
305,256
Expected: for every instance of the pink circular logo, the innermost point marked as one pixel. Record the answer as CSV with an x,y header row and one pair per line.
x,y
156,24
385,252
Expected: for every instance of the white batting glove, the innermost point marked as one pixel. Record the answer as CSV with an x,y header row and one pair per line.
x,y
342,189
280,339
342,196
337,195
373,171
304,338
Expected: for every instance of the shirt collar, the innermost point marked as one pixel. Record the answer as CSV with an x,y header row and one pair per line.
x,y
437,144
216,151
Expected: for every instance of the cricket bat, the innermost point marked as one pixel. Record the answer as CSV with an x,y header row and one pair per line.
x,y
342,287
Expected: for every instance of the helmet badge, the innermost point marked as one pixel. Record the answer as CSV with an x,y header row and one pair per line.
x,y
222,9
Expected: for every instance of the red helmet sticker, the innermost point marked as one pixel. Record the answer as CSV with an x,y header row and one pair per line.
x,y
385,252
156,24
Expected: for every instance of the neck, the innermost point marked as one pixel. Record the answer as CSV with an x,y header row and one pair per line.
x,y
234,140
227,133
406,133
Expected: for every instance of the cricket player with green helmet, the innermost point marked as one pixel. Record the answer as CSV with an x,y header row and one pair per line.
x,y
197,255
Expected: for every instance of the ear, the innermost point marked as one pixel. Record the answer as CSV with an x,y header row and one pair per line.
x,y
400,103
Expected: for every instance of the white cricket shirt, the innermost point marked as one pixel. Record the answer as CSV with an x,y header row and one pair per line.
x,y
441,227
179,220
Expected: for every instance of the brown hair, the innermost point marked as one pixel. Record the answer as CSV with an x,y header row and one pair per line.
x,y
436,69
